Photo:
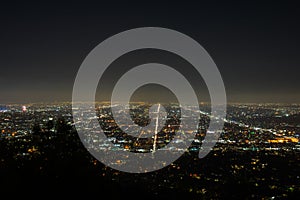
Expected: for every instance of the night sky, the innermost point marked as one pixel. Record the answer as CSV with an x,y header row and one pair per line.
x,y
254,45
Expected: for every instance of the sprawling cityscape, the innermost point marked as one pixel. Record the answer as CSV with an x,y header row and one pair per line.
x,y
51,147
256,157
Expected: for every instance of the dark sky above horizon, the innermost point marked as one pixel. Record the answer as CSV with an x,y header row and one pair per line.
x,y
255,45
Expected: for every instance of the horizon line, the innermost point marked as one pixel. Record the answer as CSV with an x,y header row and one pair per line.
x,y
201,102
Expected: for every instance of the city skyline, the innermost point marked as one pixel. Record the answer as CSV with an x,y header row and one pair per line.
x,y
143,118
256,156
